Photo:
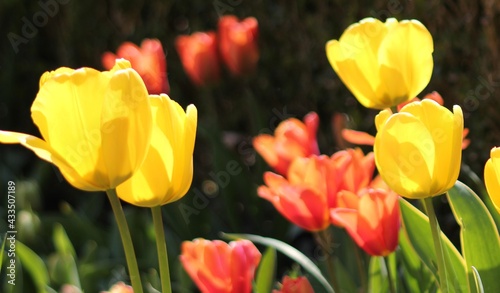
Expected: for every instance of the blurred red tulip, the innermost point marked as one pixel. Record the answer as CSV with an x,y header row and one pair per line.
x,y
295,285
148,60
310,191
371,218
218,267
292,139
238,44
199,56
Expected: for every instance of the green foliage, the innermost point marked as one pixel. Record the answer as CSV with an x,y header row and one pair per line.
x,y
478,236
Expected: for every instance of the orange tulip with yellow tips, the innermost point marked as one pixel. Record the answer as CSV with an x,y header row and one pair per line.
x,y
371,218
309,191
383,64
418,151
220,267
359,171
492,177
167,172
96,126
292,139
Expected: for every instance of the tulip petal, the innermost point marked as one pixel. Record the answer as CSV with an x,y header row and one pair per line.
x,y
77,139
492,177
405,155
406,60
447,142
126,117
45,152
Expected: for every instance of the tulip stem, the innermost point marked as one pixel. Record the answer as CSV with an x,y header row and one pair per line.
x,y
361,267
385,262
438,247
162,250
324,240
135,277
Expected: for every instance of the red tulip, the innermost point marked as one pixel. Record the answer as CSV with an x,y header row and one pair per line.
x,y
372,219
292,139
238,44
295,285
310,191
199,57
148,60
218,267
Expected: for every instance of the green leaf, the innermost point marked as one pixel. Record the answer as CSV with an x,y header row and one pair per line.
x,y
477,280
265,274
2,250
34,265
479,236
415,276
61,241
289,251
417,228
377,281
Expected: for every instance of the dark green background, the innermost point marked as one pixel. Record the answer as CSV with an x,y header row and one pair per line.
x,y
293,77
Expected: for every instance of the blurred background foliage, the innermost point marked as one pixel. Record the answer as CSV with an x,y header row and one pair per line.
x,y
293,78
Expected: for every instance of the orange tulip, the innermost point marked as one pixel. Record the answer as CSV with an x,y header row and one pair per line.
x,y
295,285
359,172
310,191
238,43
292,139
372,219
219,267
199,57
148,60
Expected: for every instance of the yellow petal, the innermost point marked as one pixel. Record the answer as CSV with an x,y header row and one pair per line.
x,y
492,177
456,148
405,155
45,152
440,123
126,125
381,118
77,96
50,74
167,172
354,59
406,62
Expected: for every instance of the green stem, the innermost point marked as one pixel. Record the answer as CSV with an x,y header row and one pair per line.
x,y
385,262
135,277
162,250
438,247
361,269
323,239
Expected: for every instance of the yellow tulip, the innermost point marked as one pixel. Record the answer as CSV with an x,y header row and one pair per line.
x,y
418,150
492,177
167,172
383,65
96,126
